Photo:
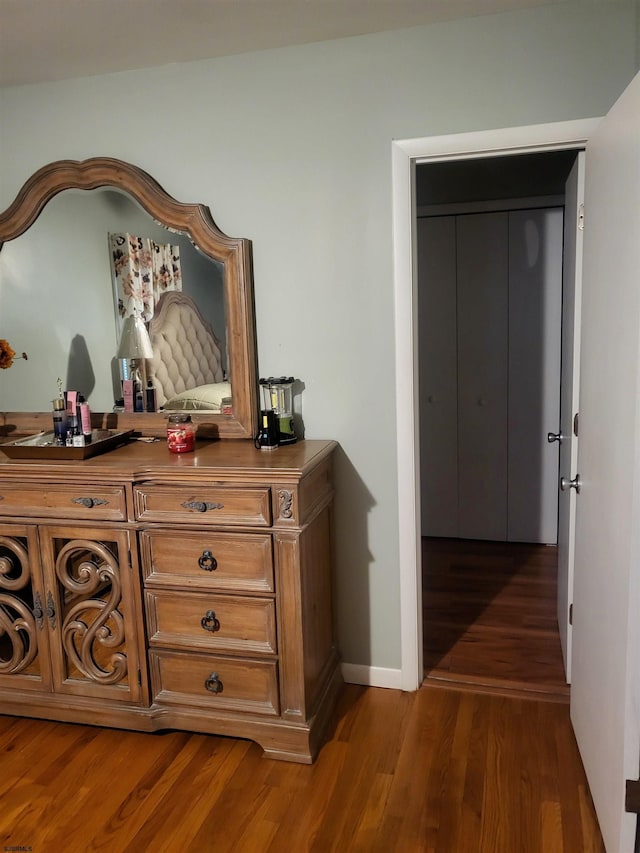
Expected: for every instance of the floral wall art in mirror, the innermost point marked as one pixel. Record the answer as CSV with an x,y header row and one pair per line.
x,y
142,271
130,249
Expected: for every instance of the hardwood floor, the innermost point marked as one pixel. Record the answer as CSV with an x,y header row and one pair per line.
x,y
490,616
441,770
489,766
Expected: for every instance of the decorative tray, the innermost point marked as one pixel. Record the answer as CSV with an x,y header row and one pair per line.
x,y
42,446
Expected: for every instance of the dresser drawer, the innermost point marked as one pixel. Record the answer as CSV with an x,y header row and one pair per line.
x,y
223,561
215,682
61,500
223,505
221,623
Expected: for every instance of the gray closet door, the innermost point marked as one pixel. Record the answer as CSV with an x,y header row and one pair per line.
x,y
482,287
535,330
489,313
437,353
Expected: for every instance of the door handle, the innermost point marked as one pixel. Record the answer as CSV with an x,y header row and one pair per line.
x,y
555,436
576,483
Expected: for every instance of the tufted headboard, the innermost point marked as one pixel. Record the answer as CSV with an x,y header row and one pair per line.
x,y
186,353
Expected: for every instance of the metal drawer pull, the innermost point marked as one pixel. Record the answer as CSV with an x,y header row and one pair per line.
x,y
213,683
201,506
89,503
210,622
207,562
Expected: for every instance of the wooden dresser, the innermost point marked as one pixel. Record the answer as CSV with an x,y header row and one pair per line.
x,y
146,590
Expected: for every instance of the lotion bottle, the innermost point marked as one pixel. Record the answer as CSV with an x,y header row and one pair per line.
x,y
85,419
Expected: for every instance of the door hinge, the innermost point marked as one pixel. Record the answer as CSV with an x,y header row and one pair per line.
x,y
632,796
571,614
581,216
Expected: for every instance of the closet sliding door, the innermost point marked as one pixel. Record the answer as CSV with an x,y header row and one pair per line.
x,y
490,300
483,317
438,375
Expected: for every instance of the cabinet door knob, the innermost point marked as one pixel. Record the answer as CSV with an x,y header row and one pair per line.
x,y
51,610
210,622
38,612
207,562
566,484
213,683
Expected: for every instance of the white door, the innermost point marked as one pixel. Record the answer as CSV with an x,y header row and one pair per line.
x,y
535,334
569,396
605,694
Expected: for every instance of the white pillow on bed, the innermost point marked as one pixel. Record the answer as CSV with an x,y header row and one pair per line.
x,y
202,397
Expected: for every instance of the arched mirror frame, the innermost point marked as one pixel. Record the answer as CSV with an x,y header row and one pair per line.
x,y
194,220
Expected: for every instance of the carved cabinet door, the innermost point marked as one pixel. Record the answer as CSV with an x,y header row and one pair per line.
x,y
93,614
24,639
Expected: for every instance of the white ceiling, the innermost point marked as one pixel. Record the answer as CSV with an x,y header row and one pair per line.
x,y
59,39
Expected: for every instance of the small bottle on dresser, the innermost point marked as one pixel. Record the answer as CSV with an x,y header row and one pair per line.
x,y
72,420
151,397
84,417
60,421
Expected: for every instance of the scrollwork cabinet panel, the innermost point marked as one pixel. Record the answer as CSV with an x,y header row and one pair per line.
x,y
24,647
93,612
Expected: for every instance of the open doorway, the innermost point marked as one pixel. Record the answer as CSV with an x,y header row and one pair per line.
x,y
489,308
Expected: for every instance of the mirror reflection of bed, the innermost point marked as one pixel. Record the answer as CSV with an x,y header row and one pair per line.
x,y
187,368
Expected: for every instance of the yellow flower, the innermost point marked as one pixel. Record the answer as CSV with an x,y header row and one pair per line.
x,y
7,354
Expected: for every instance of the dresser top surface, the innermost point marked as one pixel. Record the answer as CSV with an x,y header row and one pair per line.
x,y
140,460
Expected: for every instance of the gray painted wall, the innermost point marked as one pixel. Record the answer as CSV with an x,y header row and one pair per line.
x,y
292,148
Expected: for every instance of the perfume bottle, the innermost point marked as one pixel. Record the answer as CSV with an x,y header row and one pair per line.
x,y
151,396
72,426
60,421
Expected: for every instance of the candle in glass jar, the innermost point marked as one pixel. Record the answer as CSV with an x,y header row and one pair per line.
x,y
181,434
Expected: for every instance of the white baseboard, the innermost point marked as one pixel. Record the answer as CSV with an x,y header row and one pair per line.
x,y
372,676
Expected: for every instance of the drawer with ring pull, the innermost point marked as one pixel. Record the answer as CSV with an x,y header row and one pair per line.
x,y
223,505
214,681
225,623
228,562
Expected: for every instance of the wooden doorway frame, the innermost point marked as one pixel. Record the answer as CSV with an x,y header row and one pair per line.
x,y
405,155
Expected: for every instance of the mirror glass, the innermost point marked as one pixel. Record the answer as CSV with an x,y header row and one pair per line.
x,y
59,303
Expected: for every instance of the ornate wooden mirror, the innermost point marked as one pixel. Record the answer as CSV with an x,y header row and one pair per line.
x,y
231,257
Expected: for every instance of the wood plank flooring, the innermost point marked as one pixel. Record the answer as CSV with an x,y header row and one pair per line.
x,y
439,770
477,761
490,616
